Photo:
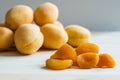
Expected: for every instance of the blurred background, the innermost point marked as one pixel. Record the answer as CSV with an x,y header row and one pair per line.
x,y
96,15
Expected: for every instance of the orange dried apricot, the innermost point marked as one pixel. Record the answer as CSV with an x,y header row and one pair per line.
x,y
106,61
57,64
87,47
87,60
65,52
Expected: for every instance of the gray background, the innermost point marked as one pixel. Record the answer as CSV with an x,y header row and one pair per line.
x,y
96,15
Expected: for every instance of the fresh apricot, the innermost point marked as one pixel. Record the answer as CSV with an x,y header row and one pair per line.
x,y
46,13
28,38
54,36
77,35
87,60
6,38
59,24
57,64
106,61
65,52
18,15
87,47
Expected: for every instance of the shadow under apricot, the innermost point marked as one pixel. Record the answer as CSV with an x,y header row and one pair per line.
x,y
10,52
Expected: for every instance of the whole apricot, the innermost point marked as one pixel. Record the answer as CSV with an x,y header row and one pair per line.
x,y
20,14
28,38
46,13
77,35
54,37
6,38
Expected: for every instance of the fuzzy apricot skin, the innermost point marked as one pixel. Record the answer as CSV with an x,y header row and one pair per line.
x,y
65,52
106,61
54,36
77,34
87,47
18,15
46,13
28,38
87,60
57,64
6,38
59,24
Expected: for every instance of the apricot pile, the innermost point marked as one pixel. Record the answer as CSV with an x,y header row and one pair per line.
x,y
33,29
30,30
85,56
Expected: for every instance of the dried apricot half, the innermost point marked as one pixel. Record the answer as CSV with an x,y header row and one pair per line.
x,y
57,64
106,61
65,52
87,47
87,60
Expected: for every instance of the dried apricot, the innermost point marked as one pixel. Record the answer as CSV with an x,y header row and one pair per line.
x,y
65,52
87,47
87,60
57,64
106,61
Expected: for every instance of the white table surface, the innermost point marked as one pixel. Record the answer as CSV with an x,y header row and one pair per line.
x,y
14,66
